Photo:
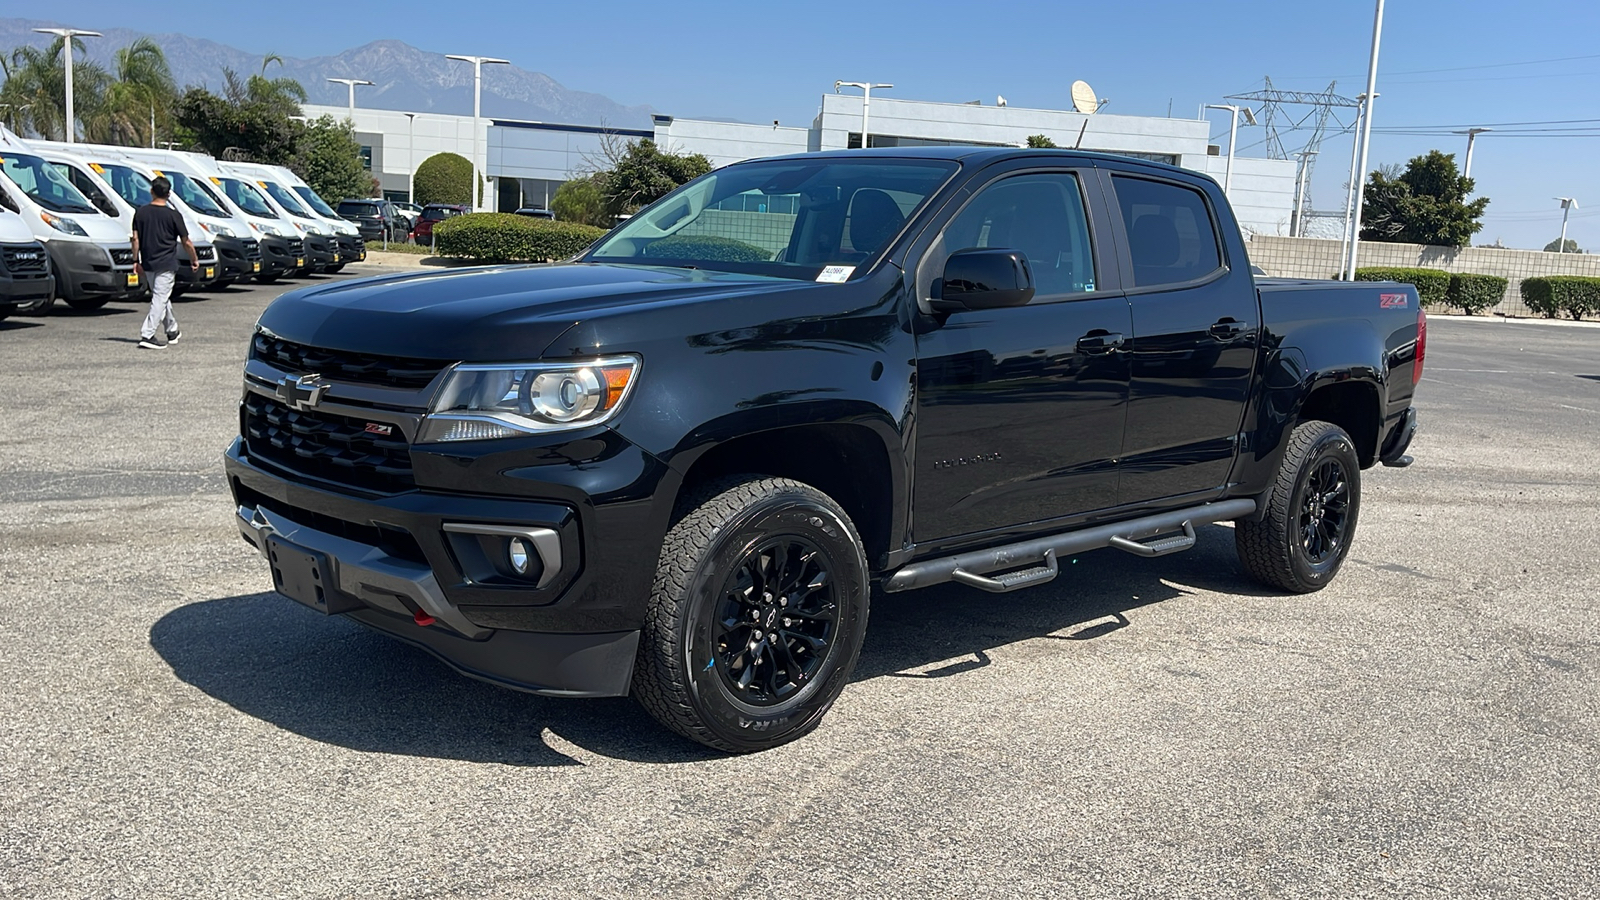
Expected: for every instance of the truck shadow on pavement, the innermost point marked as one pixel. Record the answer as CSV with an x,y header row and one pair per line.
x,y
331,680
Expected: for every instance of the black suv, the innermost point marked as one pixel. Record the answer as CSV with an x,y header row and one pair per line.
x,y
678,465
377,220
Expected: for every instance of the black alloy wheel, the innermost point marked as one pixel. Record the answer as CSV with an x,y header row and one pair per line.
x,y
776,621
757,614
1324,511
1303,533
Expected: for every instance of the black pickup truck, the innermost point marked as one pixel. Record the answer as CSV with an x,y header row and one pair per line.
x,y
677,464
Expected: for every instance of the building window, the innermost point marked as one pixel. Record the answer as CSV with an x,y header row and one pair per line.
x,y
366,157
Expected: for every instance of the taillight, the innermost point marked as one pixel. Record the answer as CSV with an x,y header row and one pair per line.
x,y
1422,346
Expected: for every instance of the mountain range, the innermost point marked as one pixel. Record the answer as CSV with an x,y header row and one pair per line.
x,y
405,77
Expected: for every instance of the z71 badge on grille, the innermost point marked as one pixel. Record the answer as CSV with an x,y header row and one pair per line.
x,y
381,430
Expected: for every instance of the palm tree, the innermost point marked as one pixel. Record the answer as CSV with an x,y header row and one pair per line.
x,y
281,95
138,100
35,79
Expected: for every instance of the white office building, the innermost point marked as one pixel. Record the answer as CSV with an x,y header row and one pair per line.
x,y
527,161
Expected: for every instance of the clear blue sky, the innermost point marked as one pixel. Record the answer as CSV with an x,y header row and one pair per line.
x,y
761,61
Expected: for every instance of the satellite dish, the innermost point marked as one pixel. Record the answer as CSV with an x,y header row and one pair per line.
x,y
1083,98
1000,101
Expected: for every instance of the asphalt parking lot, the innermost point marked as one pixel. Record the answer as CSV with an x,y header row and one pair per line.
x,y
1428,726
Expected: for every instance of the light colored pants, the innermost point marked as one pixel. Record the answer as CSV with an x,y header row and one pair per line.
x,y
160,317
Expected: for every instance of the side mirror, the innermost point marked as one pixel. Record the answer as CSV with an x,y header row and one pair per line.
x,y
984,279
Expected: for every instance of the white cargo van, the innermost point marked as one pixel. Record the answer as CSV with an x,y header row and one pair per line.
x,y
91,254
351,247
321,241
25,280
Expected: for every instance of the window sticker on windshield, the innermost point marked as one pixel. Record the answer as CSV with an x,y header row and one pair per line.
x,y
835,274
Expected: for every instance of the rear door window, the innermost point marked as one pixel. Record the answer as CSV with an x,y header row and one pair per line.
x,y
1170,234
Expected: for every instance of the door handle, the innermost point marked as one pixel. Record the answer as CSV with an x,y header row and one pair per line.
x,y
1227,328
1099,341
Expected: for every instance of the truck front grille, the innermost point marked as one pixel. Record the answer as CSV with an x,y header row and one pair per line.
x,y
120,257
252,250
297,247
340,365
206,254
321,445
24,260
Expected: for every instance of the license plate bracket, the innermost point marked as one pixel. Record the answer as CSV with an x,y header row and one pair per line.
x,y
306,576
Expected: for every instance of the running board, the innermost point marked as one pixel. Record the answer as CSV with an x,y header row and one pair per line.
x,y
970,568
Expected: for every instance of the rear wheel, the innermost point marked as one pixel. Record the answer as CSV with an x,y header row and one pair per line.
x,y
1310,520
757,615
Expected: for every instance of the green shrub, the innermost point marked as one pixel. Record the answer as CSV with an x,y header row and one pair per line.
x,y
707,247
504,237
1473,294
1575,295
1433,285
443,178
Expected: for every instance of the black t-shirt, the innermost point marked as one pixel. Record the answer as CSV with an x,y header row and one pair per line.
x,y
159,229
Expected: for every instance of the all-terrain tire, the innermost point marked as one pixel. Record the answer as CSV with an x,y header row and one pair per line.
x,y
85,304
1293,546
688,665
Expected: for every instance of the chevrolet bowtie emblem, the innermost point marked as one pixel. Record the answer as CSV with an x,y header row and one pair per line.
x,y
304,392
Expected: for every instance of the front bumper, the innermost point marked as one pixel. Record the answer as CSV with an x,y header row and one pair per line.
x,y
321,250
209,272
352,248
24,276
570,628
281,256
401,598
239,257
84,269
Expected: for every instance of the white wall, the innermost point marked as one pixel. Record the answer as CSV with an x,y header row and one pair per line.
x,y
729,142
1263,189
399,154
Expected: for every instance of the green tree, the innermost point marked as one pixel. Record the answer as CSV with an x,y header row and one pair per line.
x,y
35,89
230,130
1425,204
329,159
443,178
138,96
581,200
280,95
643,173
1039,141
1555,246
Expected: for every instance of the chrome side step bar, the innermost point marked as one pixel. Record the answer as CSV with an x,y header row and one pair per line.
x,y
973,567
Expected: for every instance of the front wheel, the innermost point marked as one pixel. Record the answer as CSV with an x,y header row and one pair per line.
x,y
266,279
756,617
85,304
1310,520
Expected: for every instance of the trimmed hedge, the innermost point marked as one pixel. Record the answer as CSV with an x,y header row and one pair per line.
x,y
506,237
1575,295
1433,285
443,178
707,247
1473,294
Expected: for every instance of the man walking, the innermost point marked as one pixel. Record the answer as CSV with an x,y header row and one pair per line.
x,y
157,231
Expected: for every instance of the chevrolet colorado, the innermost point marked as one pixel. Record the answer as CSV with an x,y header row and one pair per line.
x,y
677,464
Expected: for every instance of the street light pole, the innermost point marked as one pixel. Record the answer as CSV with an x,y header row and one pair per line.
x,y
66,35
351,84
478,62
1567,205
411,157
866,101
1472,135
1233,136
1350,186
1366,143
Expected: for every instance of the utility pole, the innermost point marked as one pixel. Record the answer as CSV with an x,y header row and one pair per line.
x,y
478,62
1299,224
66,35
1472,135
1366,143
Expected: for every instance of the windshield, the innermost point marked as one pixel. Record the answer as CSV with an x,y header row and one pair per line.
x,y
788,218
246,196
310,198
358,209
44,185
129,185
195,196
437,213
287,200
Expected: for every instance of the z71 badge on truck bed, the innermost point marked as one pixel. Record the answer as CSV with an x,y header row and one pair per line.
x,y
678,464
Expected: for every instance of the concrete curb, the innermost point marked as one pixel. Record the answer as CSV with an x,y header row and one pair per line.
x,y
1508,320
406,260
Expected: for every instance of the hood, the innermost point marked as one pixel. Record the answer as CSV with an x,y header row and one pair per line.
x,y
13,230
103,230
503,313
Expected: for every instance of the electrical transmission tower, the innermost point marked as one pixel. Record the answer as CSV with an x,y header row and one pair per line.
x,y
1277,121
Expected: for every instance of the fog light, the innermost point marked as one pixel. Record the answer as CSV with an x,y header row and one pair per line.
x,y
519,554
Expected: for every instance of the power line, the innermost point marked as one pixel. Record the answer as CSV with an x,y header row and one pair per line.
x,y
1530,62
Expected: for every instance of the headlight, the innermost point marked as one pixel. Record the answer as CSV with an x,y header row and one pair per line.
x,y
218,230
482,402
312,229
268,229
63,225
